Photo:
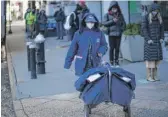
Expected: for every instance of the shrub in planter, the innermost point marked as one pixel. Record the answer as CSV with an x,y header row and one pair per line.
x,y
132,44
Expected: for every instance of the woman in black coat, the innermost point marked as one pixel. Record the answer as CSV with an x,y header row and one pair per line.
x,y
153,31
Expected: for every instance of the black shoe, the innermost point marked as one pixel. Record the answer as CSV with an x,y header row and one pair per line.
x,y
112,63
117,64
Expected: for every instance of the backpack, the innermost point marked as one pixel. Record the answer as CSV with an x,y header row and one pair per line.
x,y
67,25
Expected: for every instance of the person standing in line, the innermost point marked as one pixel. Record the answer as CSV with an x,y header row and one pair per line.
x,y
153,32
25,15
31,19
74,22
88,46
60,18
83,10
115,23
42,21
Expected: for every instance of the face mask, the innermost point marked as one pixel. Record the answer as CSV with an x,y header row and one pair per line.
x,y
154,13
114,10
90,25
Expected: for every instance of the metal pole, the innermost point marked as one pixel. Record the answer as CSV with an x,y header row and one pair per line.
x,y
40,58
33,60
40,52
28,55
10,30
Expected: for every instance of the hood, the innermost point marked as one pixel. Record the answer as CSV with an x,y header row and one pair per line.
x,y
42,11
83,23
112,3
154,6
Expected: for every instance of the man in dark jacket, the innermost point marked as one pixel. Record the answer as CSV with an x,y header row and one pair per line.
x,y
60,18
83,11
75,21
115,23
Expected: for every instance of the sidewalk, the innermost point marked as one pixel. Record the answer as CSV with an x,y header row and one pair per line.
x,y
54,95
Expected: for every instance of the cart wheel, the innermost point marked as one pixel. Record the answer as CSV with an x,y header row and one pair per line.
x,y
127,111
87,110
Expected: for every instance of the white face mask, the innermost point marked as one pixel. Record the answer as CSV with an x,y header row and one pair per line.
x,y
154,13
114,10
90,25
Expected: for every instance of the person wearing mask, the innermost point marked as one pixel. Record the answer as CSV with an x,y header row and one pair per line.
x,y
27,12
31,20
60,18
115,23
153,32
42,21
88,46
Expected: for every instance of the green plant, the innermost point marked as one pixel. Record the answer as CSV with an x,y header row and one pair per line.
x,y
132,29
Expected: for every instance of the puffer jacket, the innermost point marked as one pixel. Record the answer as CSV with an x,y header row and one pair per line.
x,y
152,31
114,28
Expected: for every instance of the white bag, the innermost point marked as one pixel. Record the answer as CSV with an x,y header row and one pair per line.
x,y
67,25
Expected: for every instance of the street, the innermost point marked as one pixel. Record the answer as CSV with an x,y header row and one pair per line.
x,y
53,94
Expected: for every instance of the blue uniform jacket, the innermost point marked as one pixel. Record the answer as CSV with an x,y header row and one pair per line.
x,y
79,48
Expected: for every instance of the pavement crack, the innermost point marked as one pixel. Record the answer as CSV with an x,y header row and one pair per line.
x,y
23,108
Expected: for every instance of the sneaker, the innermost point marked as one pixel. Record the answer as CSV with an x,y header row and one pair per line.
x,y
117,64
112,63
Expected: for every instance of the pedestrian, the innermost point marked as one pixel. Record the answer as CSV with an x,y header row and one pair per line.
x,y
31,19
115,23
27,12
73,22
36,25
87,47
153,31
42,22
83,9
60,18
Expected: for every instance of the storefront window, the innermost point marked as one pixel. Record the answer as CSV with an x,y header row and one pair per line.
x,y
135,11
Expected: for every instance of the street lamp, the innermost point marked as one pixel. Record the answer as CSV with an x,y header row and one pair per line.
x,y
10,30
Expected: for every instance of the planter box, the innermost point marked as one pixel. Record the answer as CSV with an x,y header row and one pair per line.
x,y
132,48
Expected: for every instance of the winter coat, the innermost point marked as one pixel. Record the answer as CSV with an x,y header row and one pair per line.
x,y
114,28
59,16
84,11
107,88
31,18
42,18
74,23
79,48
152,31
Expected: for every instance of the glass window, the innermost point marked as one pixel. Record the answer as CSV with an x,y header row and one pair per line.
x,y
135,11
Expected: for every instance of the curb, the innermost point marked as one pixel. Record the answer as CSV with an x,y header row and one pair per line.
x,y
11,71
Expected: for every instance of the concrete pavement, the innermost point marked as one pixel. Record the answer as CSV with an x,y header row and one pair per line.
x,y
53,94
